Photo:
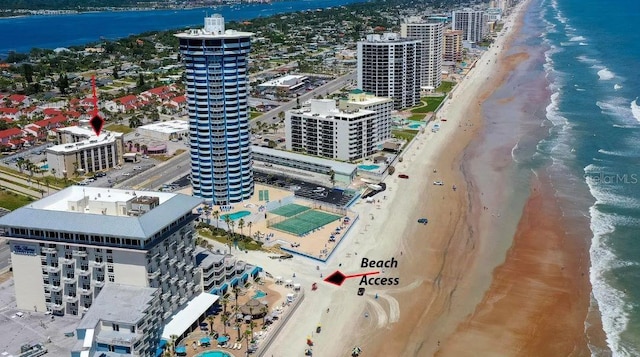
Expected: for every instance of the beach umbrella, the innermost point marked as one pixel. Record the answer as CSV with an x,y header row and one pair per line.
x,y
181,350
223,339
205,340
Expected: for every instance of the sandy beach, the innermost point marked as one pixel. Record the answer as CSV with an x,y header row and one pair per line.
x,y
458,287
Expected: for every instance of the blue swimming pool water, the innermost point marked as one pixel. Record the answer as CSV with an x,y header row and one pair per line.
x,y
259,294
45,167
214,354
415,126
369,167
235,215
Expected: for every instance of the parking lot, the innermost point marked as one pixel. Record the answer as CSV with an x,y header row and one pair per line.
x,y
32,327
308,190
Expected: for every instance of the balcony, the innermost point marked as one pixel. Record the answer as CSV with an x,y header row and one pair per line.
x,y
96,264
50,250
65,261
173,261
180,265
83,272
153,275
69,280
51,269
85,291
173,280
56,307
79,253
70,298
55,288
165,296
98,284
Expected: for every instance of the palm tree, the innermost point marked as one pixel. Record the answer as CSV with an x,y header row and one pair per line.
x,y
227,220
236,291
251,323
274,127
232,224
211,319
207,212
249,225
241,225
238,327
53,172
216,216
264,309
332,177
224,320
21,163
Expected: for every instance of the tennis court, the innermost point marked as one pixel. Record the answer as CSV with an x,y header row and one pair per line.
x,y
290,210
306,222
263,195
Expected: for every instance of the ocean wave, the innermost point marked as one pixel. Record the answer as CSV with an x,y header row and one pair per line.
x,y
605,74
577,39
585,59
625,126
613,309
617,86
580,89
617,153
583,44
635,109
618,108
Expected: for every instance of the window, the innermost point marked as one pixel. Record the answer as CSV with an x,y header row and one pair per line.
x,y
115,327
112,279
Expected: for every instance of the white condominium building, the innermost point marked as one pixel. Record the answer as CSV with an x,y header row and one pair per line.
x,y
81,151
359,99
323,130
124,320
431,35
471,22
389,66
66,246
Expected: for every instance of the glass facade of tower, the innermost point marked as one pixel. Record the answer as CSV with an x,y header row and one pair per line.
x,y
216,71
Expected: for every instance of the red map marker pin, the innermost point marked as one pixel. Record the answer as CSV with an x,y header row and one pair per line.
x,y
96,121
337,278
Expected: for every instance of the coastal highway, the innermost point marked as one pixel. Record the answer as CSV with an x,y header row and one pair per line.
x,y
178,166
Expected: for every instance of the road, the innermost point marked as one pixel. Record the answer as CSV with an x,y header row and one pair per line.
x,y
178,166
5,255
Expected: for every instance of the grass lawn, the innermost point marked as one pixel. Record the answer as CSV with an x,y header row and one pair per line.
x,y
445,87
417,117
166,157
253,115
242,244
11,201
404,134
119,128
430,104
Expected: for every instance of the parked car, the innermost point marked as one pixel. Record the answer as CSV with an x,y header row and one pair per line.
x,y
438,183
403,176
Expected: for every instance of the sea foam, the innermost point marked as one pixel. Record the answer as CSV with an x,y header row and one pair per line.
x,y
605,74
577,39
635,109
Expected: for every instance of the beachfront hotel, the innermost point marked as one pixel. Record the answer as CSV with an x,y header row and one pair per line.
x,y
431,35
359,99
67,246
222,272
81,151
471,23
216,69
326,131
389,66
452,46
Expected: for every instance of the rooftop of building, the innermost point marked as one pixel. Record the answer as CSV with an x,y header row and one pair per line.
x,y
284,81
103,211
118,303
386,38
213,28
327,109
343,168
92,140
359,96
168,127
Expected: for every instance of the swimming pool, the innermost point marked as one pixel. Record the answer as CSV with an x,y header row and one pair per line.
x,y
214,354
259,294
415,126
235,215
369,167
45,167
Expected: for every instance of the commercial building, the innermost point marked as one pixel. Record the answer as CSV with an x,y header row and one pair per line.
x,y
67,246
124,320
217,80
222,272
166,130
343,172
359,99
452,46
471,23
81,151
324,130
389,66
284,84
431,35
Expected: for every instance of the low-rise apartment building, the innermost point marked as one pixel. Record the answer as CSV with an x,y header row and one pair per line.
x,y
221,272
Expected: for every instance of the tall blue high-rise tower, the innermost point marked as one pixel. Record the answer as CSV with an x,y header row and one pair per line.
x,y
217,70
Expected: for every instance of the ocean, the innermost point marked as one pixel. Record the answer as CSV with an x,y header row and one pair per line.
x,y
592,151
21,34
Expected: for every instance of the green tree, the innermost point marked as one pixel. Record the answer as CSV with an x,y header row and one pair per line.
x,y
63,83
140,81
27,71
216,216
241,225
211,319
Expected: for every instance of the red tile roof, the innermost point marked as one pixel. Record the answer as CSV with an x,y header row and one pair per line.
x,y
11,132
